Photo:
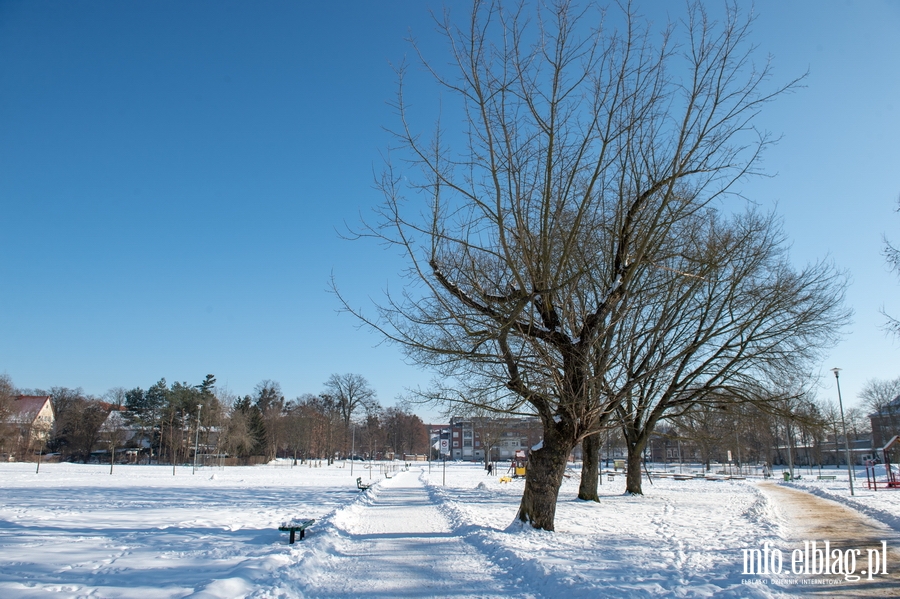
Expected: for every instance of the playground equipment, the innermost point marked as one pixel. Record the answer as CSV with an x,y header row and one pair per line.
x,y
891,478
518,465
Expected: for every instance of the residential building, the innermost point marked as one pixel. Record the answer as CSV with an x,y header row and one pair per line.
x,y
885,423
28,426
471,439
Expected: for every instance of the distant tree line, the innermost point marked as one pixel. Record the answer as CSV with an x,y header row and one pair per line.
x,y
166,422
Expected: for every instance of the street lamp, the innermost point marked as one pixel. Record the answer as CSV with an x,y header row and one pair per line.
x,y
197,438
352,447
837,378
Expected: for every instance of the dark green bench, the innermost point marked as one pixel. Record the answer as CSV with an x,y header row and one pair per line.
x,y
826,477
360,485
292,526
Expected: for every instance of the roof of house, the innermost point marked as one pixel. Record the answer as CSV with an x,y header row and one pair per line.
x,y
29,405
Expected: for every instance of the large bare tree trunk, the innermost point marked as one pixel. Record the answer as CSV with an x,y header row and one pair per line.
x,y
633,474
590,468
543,478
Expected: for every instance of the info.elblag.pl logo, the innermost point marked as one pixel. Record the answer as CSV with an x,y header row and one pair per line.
x,y
816,558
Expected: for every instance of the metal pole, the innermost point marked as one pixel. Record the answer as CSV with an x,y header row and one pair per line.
x,y
837,379
599,459
40,455
789,435
172,435
352,447
197,438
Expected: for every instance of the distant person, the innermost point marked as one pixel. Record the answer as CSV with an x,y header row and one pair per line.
x,y
490,469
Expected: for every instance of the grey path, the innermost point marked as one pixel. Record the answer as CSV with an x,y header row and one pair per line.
x,y
403,546
814,518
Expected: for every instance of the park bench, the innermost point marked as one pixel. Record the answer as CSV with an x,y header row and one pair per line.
x,y
826,477
292,526
360,485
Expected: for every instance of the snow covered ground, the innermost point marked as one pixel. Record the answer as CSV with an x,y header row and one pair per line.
x,y
77,531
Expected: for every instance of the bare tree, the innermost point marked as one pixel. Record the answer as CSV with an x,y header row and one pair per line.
x,y
7,395
213,413
705,428
352,394
114,430
303,427
116,396
811,422
882,398
404,432
311,424
270,403
878,393
78,429
237,435
584,149
371,435
731,321
892,256
858,424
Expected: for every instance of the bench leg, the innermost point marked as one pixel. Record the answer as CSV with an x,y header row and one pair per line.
x,y
302,533
292,537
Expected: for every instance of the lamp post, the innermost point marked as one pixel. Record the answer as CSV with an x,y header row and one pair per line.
x,y
352,447
837,379
197,438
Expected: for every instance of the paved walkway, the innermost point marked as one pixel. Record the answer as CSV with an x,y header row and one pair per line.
x,y
381,555
813,518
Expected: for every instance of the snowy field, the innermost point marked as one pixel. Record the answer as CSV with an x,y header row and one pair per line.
x,y
77,531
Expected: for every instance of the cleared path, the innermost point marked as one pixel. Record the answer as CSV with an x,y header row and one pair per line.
x,y
401,545
812,518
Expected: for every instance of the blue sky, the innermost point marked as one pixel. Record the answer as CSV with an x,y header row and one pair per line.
x,y
172,177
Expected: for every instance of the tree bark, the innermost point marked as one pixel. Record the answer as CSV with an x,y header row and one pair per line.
x,y
590,468
633,475
542,481
543,478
